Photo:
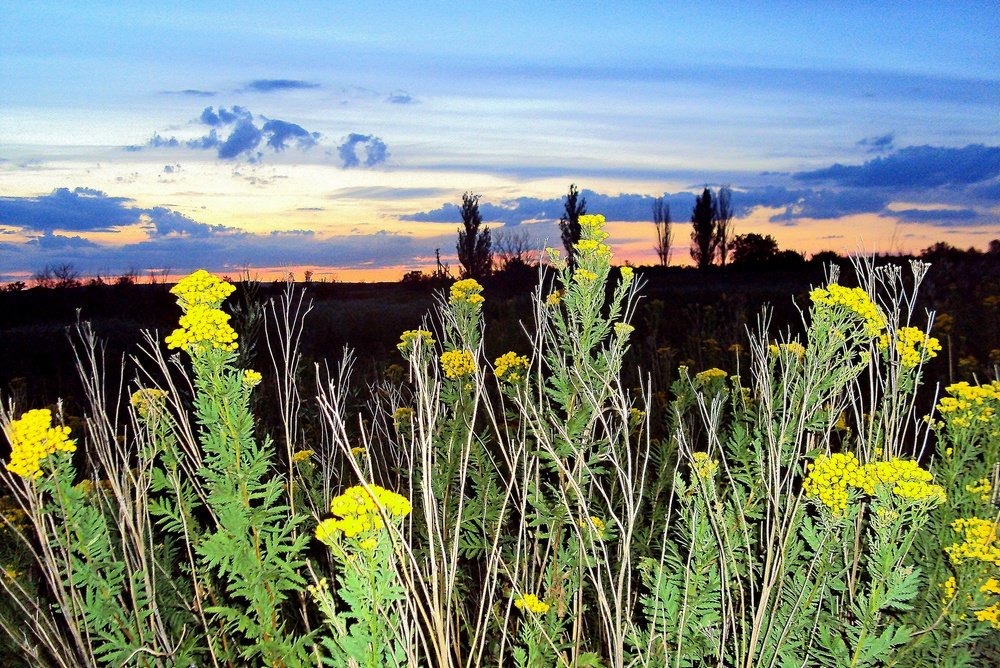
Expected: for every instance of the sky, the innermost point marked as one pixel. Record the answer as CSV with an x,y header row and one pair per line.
x,y
339,137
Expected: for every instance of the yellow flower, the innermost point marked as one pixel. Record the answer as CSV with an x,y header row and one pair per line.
x,y
595,524
703,466
791,349
554,298
148,401
511,367
458,363
33,438
357,510
203,324
979,541
466,291
301,455
705,377
627,274
402,416
853,300
949,587
531,603
914,347
411,338
983,487
584,276
252,378
991,615
623,329
201,288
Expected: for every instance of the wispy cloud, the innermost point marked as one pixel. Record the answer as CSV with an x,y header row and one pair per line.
x,y
191,92
878,143
272,85
400,97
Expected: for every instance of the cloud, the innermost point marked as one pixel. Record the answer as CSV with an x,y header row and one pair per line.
x,y
915,167
191,92
357,146
272,85
879,143
400,97
940,217
88,210
236,134
821,204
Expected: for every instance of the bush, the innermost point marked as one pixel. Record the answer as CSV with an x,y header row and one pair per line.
x,y
520,512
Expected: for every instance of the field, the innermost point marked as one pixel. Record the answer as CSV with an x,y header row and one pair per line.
x,y
614,467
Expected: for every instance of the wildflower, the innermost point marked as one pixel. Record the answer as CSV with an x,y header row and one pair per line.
x,y
300,456
147,401
991,615
252,378
830,477
703,466
402,416
584,276
983,487
357,510
793,349
627,274
466,291
201,288
458,363
412,338
32,439
511,367
905,477
706,377
531,603
203,324
85,487
853,300
914,347
359,451
316,590
554,298
623,329
592,248
979,541
595,524
949,587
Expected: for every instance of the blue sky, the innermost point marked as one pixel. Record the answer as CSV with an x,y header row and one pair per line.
x,y
339,136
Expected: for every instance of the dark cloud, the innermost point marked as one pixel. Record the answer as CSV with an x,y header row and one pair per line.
x,y
827,204
59,242
358,149
279,133
272,85
191,92
879,143
400,97
236,134
915,167
986,191
941,217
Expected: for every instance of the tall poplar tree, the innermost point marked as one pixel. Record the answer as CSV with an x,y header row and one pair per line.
x,y
475,248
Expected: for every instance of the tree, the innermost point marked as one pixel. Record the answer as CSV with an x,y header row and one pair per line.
x,y
513,250
703,239
724,223
664,234
475,249
751,249
569,223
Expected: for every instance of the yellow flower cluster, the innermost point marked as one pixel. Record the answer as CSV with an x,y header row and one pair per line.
x,y
705,377
593,248
13,514
201,288
300,456
466,291
791,349
703,466
830,479
511,367
356,511
32,439
595,524
627,274
411,338
531,603
949,586
914,347
623,329
592,227
979,541
983,487
252,378
402,416
991,615
584,276
855,300
458,363
203,324
969,404
554,298
147,401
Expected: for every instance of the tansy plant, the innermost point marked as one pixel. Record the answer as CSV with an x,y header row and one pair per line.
x,y
800,511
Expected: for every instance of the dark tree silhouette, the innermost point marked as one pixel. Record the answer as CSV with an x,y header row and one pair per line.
x,y
752,248
475,249
703,239
569,223
664,233
724,223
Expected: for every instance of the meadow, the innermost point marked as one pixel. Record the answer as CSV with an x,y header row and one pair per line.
x,y
782,467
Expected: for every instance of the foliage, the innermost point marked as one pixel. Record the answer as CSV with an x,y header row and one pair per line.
x,y
704,233
569,223
536,511
474,247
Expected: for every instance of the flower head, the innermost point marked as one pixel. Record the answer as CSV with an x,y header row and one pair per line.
x,y
511,367
201,288
148,401
853,300
531,603
32,439
466,291
202,324
914,347
357,510
252,378
458,363
412,338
